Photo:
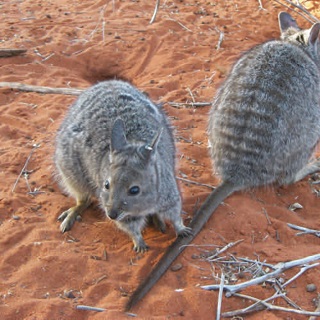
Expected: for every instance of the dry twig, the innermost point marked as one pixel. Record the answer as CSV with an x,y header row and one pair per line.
x,y
40,89
189,104
220,297
266,305
23,170
195,183
221,37
260,5
88,308
155,12
225,248
305,230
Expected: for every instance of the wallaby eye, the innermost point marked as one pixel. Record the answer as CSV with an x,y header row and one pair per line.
x,y
133,191
107,185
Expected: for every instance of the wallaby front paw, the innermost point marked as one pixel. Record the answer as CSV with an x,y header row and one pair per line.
x,y
185,232
141,248
68,218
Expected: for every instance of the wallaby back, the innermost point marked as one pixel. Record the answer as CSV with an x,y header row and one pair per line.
x,y
264,121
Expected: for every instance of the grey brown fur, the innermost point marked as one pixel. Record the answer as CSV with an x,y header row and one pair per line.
x,y
264,125
116,145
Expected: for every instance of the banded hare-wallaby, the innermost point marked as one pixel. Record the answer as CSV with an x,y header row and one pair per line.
x,y
118,146
264,125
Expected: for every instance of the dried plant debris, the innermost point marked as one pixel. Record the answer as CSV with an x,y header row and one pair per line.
x,y
304,230
237,273
295,206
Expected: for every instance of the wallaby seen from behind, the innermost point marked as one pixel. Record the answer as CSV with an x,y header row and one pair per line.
x,y
264,125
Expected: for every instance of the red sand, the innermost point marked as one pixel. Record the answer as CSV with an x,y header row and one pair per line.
x,y
75,44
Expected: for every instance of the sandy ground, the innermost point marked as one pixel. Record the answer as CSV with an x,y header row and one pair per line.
x,y
176,59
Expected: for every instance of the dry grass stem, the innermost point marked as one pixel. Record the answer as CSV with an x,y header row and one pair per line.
x,y
317,309
260,5
24,169
179,105
225,248
155,12
179,23
267,216
196,183
221,37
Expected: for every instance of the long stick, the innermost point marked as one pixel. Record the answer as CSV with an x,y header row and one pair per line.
x,y
268,306
40,89
155,12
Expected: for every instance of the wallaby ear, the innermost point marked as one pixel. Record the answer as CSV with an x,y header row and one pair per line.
x,y
286,22
314,34
148,149
118,136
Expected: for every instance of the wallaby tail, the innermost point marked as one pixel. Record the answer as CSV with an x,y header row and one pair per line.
x,y
197,223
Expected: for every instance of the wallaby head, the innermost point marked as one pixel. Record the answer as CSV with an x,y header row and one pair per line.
x,y
291,32
131,188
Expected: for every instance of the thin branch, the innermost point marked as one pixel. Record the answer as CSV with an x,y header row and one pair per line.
x,y
23,170
88,308
191,94
260,5
40,89
189,104
220,297
225,248
196,183
257,306
267,306
267,216
302,270
221,37
305,230
155,12
231,289
317,309
269,265
179,23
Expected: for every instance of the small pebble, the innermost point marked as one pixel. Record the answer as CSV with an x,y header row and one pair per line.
x,y
15,217
311,287
69,294
176,267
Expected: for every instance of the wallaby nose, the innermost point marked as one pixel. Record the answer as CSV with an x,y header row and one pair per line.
x,y
113,214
